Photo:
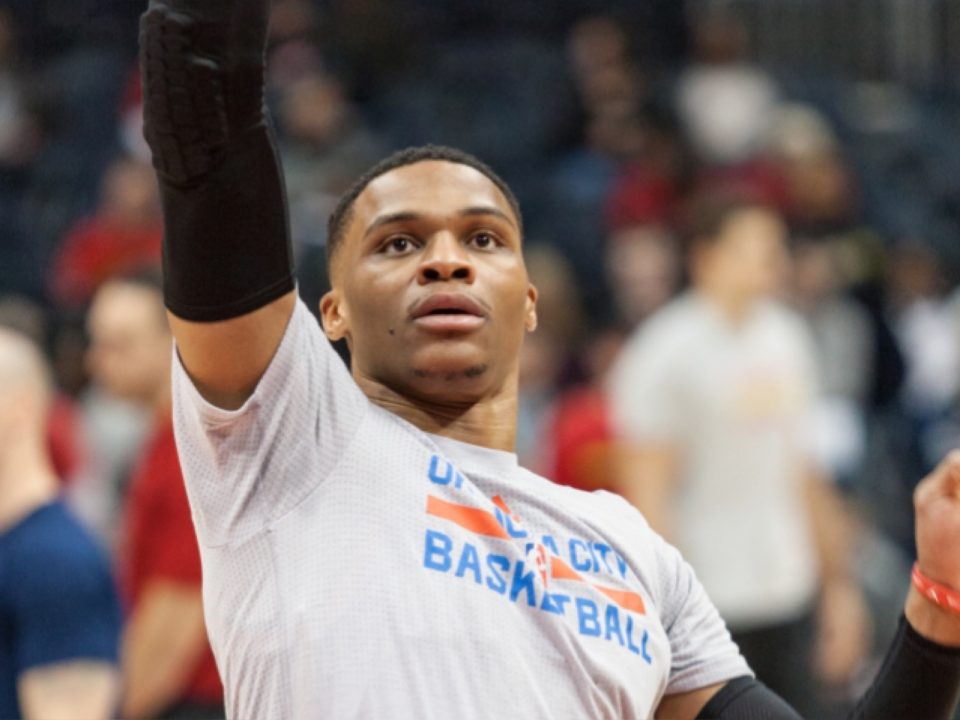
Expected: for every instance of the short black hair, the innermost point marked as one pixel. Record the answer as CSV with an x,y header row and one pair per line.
x,y
707,213
340,217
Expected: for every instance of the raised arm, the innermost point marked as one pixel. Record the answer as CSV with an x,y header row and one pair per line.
x,y
228,274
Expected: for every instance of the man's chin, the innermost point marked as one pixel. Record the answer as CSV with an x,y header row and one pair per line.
x,y
451,375
449,384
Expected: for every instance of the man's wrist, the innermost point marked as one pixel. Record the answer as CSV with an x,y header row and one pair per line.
x,y
932,621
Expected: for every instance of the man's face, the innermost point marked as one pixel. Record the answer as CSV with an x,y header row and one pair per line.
x,y
429,285
750,254
129,353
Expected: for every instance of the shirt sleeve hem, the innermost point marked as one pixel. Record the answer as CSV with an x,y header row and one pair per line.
x,y
213,414
696,678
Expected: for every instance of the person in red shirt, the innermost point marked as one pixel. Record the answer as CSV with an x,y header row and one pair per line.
x,y
168,667
122,236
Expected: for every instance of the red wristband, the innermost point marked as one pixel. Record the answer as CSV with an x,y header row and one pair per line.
x,y
945,597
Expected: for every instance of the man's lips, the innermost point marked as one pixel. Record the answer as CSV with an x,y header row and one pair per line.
x,y
448,312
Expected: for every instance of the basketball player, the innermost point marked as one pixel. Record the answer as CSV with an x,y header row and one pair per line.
x,y
370,546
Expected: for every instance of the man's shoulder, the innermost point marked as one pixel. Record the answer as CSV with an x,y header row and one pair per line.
x,y
680,320
672,333
51,541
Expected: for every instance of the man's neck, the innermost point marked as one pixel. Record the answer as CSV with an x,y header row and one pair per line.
x,y
489,422
27,481
733,307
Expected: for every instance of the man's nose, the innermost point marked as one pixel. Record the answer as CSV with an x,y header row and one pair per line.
x,y
446,259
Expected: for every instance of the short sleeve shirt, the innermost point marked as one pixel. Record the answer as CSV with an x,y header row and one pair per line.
x,y
357,567
58,601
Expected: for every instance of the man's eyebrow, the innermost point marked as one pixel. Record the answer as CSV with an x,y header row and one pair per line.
x,y
410,216
404,216
489,210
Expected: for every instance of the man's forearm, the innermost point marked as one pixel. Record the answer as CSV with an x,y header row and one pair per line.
x,y
226,243
919,679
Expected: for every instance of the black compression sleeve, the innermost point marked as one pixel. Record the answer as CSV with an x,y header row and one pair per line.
x,y
919,679
744,698
226,247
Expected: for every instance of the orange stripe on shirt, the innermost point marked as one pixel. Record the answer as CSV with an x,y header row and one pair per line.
x,y
623,598
502,504
473,519
559,570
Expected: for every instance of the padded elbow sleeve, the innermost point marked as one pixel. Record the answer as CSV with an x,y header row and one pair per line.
x,y
919,680
744,698
226,247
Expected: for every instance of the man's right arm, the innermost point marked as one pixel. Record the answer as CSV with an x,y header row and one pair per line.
x,y
228,272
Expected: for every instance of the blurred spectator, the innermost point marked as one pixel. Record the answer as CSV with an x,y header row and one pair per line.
x,y
725,103
124,235
712,398
578,441
820,192
326,146
843,342
547,354
59,615
928,335
169,670
20,139
68,450
19,133
611,93
644,271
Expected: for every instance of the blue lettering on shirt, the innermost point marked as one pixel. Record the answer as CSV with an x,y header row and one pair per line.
x,y
436,553
496,581
580,561
469,560
523,582
434,472
612,624
588,617
554,603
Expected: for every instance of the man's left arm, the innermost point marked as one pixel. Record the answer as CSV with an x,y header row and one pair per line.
x,y
80,689
843,618
162,645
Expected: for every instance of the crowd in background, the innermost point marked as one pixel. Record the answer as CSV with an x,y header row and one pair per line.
x,y
609,120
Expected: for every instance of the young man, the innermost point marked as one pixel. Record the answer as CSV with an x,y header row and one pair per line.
x,y
59,615
168,668
370,547
713,398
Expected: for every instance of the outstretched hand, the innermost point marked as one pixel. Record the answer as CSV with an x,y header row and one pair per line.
x,y
937,505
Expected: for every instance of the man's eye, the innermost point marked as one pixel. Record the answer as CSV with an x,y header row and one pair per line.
x,y
398,244
483,241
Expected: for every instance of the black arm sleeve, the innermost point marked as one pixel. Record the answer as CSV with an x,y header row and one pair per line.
x,y
744,698
226,248
919,679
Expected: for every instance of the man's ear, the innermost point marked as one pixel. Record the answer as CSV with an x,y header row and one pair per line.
x,y
530,319
334,316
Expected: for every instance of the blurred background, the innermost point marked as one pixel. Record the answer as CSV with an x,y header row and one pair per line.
x,y
606,117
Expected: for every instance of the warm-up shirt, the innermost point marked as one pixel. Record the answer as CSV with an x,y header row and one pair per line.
x,y
357,567
58,601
